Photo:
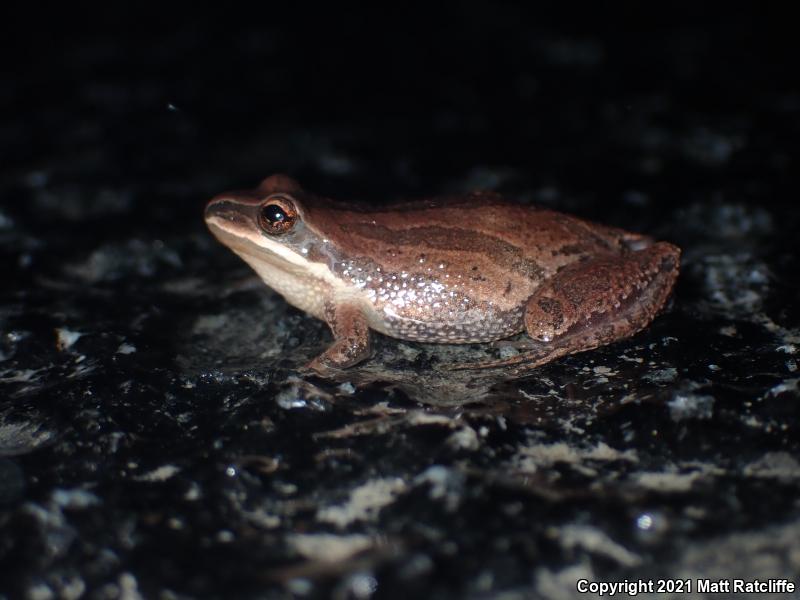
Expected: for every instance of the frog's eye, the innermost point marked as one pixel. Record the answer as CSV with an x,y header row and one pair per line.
x,y
277,214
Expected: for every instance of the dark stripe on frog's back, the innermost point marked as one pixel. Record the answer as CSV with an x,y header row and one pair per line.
x,y
528,227
432,243
490,243
479,199
445,210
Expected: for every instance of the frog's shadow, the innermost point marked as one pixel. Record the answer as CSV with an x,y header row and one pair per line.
x,y
423,374
549,396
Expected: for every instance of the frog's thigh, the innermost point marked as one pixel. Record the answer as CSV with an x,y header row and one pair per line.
x,y
603,299
351,337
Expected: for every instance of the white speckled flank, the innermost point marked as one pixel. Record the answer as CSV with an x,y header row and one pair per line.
x,y
426,307
451,333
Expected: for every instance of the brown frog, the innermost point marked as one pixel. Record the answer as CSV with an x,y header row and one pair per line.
x,y
457,269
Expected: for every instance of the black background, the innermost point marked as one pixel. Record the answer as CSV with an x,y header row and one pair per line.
x,y
679,120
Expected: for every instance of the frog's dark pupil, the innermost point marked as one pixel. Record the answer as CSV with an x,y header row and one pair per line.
x,y
274,214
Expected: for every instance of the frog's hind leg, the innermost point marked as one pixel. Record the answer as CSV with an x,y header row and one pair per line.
x,y
594,303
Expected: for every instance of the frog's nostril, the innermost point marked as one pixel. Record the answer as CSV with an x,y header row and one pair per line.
x,y
221,208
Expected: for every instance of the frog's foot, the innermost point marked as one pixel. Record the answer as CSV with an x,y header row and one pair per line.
x,y
351,339
535,355
527,351
514,344
594,303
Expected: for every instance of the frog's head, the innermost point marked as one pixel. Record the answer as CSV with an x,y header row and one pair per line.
x,y
267,227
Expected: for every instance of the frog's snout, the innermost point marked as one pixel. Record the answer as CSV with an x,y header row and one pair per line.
x,y
218,207
225,209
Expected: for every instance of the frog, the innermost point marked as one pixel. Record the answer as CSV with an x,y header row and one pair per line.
x,y
453,269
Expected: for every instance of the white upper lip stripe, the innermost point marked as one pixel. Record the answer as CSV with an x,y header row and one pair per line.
x,y
265,248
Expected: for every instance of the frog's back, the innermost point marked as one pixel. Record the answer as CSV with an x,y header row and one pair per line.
x,y
456,269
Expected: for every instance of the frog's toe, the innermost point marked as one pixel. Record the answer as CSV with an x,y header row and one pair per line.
x,y
319,366
532,358
513,344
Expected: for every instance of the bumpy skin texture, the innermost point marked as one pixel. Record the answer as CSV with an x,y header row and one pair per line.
x,y
472,268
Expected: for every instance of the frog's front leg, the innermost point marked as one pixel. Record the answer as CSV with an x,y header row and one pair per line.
x,y
592,303
351,342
